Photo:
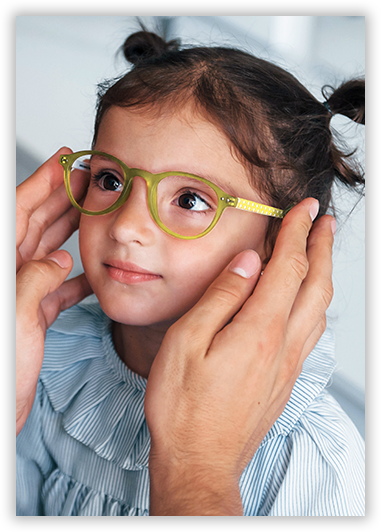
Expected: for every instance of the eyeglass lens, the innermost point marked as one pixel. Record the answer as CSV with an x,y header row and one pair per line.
x,y
185,205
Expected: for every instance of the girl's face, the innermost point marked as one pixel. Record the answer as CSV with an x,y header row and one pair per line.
x,y
141,275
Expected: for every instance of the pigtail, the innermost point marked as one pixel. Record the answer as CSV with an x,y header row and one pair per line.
x,y
146,45
348,100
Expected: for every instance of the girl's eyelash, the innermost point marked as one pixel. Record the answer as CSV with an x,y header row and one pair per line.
x,y
96,179
98,176
103,173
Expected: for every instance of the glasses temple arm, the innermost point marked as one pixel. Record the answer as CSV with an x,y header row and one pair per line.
x,y
252,206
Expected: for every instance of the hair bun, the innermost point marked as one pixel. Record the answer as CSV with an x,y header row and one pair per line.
x,y
348,100
144,44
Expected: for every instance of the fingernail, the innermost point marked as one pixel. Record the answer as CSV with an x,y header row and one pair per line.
x,y
62,259
246,264
314,209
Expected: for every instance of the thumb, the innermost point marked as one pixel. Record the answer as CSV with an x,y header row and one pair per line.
x,y
223,299
38,278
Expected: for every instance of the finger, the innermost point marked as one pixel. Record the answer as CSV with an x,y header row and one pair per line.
x,y
37,279
52,208
35,190
221,301
316,291
53,238
57,204
67,295
276,291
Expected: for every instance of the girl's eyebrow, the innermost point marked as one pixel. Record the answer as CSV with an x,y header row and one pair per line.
x,y
226,187
223,186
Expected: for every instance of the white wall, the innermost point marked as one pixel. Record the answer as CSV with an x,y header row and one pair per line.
x,y
60,59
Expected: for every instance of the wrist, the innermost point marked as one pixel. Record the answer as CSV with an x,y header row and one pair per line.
x,y
192,489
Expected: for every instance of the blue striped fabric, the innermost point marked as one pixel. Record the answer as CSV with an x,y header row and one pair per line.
x,y
85,446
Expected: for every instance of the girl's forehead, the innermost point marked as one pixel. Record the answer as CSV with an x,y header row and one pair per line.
x,y
170,140
161,120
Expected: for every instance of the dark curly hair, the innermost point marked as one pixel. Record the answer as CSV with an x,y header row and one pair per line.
x,y
276,127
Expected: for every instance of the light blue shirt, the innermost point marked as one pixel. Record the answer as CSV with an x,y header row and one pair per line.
x,y
85,446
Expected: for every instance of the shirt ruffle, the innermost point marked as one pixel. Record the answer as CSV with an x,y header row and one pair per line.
x,y
76,499
86,442
317,371
100,399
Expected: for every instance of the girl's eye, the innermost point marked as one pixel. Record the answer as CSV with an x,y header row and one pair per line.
x,y
108,181
192,201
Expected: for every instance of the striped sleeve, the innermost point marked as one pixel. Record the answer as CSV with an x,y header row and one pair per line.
x,y
321,472
85,446
32,463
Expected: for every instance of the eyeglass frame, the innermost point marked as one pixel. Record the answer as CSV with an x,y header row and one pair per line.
x,y
224,200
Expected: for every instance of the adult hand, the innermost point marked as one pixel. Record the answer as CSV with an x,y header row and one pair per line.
x,y
44,221
218,384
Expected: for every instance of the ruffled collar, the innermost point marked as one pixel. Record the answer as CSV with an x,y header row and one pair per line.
x,y
315,376
102,401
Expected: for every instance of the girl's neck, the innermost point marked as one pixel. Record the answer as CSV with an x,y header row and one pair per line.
x,y
138,346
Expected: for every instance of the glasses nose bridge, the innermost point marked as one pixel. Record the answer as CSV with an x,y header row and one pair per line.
x,y
150,180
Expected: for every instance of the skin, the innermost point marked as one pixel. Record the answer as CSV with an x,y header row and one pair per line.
x,y
243,368
143,312
229,361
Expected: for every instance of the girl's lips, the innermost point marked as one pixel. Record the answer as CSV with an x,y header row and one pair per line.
x,y
129,273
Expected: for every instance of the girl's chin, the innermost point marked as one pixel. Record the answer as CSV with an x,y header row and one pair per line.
x,y
138,317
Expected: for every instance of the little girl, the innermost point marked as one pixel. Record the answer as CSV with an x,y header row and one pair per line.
x,y
198,155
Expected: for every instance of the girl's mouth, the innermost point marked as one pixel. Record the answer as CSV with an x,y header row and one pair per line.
x,y
129,273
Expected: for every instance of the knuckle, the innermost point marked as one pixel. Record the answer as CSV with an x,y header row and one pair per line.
x,y
33,270
39,268
323,293
299,265
225,294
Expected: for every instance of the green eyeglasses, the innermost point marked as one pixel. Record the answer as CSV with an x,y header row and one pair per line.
x,y
183,205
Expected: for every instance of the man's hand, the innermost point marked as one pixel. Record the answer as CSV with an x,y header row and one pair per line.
x,y
44,221
218,384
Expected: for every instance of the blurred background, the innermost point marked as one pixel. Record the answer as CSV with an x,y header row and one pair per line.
x,y
61,59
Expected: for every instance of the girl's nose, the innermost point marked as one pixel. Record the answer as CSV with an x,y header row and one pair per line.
x,y
132,222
